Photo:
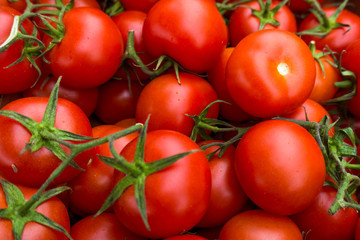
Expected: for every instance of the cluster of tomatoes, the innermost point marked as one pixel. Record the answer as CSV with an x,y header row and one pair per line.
x,y
179,119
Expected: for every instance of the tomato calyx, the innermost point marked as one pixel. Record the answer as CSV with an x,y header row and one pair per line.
x,y
225,5
265,14
115,9
20,211
326,24
136,173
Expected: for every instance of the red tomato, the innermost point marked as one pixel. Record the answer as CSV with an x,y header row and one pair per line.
x,y
105,227
260,225
339,38
185,237
357,231
280,166
21,76
132,20
349,61
242,21
270,72
85,98
216,77
319,225
177,197
83,58
227,196
32,169
140,5
116,101
324,88
91,187
192,32
19,5
300,6
52,208
168,101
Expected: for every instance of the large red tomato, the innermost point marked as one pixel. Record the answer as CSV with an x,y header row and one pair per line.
x,y
270,72
91,50
177,197
32,169
280,166
192,32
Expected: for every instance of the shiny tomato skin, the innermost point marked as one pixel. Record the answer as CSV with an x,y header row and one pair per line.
x,y
177,197
270,72
106,226
216,77
83,58
338,39
52,208
32,169
227,196
23,75
349,60
168,101
139,5
260,225
192,32
91,187
319,225
280,166
116,101
85,98
242,22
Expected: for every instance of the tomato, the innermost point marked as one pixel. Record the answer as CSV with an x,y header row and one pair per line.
x,y
140,5
216,77
270,72
339,38
105,226
167,102
52,208
280,166
83,58
242,21
21,76
177,197
19,5
192,32
318,224
85,98
91,187
260,225
227,196
357,231
185,237
349,59
300,6
116,101
132,20
32,169
324,88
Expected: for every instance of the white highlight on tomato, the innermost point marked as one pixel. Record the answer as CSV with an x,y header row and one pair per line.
x,y
283,69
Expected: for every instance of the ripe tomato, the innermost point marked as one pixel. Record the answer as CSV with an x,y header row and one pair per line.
x,y
167,102
21,76
85,98
319,225
139,5
116,101
242,21
91,187
177,197
339,38
192,32
185,237
280,166
83,58
105,227
300,6
227,196
52,208
270,72
216,77
32,169
260,225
